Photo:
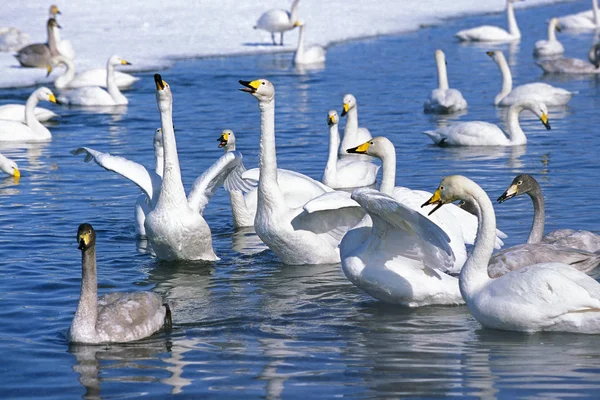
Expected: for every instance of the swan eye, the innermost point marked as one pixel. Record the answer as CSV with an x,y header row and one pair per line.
x,y
441,188
262,83
371,142
520,182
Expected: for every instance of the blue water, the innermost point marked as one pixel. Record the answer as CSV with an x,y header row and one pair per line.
x,y
248,326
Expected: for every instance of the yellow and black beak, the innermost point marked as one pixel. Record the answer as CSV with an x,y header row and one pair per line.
x,y
249,86
16,174
345,109
544,119
123,62
160,84
508,194
83,238
362,149
490,53
331,120
558,28
48,70
52,98
223,140
435,199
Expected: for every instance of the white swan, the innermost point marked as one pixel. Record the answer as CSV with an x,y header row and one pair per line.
x,y
346,172
312,55
479,133
95,95
278,21
526,184
574,65
444,100
458,224
550,47
147,181
540,297
114,317
91,77
39,55
64,46
296,236
353,134
16,112
488,33
9,167
175,227
584,20
32,130
537,91
403,258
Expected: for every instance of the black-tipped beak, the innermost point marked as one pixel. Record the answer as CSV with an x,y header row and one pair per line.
x,y
81,244
159,82
353,150
547,125
127,63
505,196
438,204
58,25
222,142
343,114
247,87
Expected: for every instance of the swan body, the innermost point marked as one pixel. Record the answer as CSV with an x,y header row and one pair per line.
x,y
242,186
12,39
32,130
353,134
39,55
581,240
551,46
17,112
537,91
444,100
114,317
346,172
9,167
312,55
574,65
96,96
459,225
539,297
584,20
91,77
479,133
278,21
488,33
296,236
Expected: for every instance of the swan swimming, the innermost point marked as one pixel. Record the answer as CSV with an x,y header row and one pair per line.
x,y
32,130
489,33
312,55
114,317
64,47
551,46
584,20
540,297
353,134
444,100
17,112
91,77
278,21
537,91
9,167
479,133
574,65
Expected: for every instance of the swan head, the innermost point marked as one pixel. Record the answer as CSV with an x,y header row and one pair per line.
x,y
348,103
451,188
116,60
523,183
54,11
440,57
538,108
164,98
332,118
594,55
158,143
45,94
299,23
496,55
53,24
86,237
376,147
554,21
227,139
262,89
9,167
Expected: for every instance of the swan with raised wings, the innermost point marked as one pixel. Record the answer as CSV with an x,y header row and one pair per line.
x,y
276,20
489,33
444,100
32,130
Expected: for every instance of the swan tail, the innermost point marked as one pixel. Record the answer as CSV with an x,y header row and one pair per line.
x,y
434,135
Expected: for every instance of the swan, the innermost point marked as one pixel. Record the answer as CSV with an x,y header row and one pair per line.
x,y
526,184
16,112
174,226
114,317
95,95
91,77
550,47
574,65
278,21
353,135
537,91
147,181
444,100
241,184
64,46
459,225
39,55
403,258
479,133
346,172
584,20
296,236
540,297
32,130
313,55
9,167
488,33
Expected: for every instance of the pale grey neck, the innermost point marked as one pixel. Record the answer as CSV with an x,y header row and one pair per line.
x,y
87,309
552,30
388,175
334,144
268,187
52,44
63,81
294,11
171,184
539,215
442,74
515,133
513,28
506,77
111,84
300,48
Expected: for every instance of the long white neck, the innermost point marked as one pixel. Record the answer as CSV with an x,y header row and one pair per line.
x,y
596,12
63,81
330,172
269,193
539,215
300,49
31,120
111,85
351,121
515,133
442,74
474,275
87,309
552,30
159,161
506,77
513,28
56,34
388,166
52,43
294,11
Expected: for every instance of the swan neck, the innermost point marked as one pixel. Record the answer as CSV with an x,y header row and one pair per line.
x,y
56,34
111,84
32,102
300,48
596,12
334,144
351,121
171,184
506,78
552,30
87,309
515,133
159,162
268,188
513,28
52,44
442,75
539,215
294,11
388,175
63,81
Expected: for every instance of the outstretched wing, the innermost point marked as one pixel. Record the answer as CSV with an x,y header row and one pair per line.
x,y
148,181
207,184
235,182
